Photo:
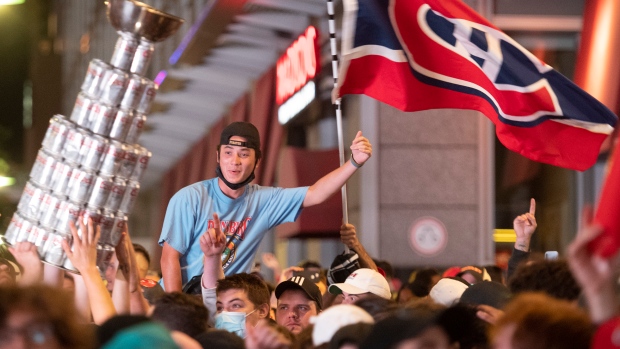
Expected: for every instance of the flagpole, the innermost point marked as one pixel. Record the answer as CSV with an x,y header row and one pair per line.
x,y
334,52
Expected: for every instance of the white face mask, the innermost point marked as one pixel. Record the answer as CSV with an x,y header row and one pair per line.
x,y
232,322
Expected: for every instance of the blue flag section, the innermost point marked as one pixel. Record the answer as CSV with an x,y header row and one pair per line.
x,y
432,54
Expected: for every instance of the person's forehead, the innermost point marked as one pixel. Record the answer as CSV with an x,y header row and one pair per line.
x,y
294,296
232,294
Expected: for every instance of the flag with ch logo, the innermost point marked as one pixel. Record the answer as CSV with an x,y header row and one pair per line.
x,y
432,54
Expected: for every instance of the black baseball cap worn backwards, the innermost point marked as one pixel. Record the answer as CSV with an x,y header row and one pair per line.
x,y
252,141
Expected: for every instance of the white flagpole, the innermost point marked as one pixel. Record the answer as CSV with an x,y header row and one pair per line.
x,y
334,52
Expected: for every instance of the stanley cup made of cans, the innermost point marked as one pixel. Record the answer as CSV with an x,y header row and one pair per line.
x,y
90,163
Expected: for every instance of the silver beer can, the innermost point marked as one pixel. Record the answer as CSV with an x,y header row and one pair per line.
x,y
25,230
132,96
12,231
34,233
41,240
142,58
106,225
119,227
92,152
94,76
104,256
56,134
81,110
61,178
73,144
124,50
70,267
27,195
121,125
135,130
112,158
81,186
143,162
101,191
34,196
44,166
131,194
47,215
68,212
114,85
129,162
116,194
102,118
90,213
54,254
148,96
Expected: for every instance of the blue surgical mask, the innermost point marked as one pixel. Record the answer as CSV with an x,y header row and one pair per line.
x,y
232,322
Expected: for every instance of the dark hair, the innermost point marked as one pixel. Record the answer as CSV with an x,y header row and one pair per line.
x,y
463,326
496,273
181,312
378,307
386,266
551,277
309,264
423,282
541,321
255,288
52,306
140,249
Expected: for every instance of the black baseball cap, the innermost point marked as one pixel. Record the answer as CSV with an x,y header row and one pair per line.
x,y
241,129
301,283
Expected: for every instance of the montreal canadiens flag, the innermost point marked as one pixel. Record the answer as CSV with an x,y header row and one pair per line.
x,y
431,54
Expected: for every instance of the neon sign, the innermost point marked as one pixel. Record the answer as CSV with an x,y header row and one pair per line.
x,y
297,66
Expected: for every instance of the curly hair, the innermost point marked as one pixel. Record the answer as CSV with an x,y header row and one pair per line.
x,y
256,289
51,306
551,277
181,312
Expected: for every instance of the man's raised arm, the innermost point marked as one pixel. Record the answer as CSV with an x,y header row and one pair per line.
x,y
171,269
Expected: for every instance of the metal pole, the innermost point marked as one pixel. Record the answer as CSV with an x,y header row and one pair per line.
x,y
334,52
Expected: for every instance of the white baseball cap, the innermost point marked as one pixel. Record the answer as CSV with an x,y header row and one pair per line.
x,y
362,281
328,322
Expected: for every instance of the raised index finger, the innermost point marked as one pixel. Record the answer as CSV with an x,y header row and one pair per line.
x,y
216,221
532,206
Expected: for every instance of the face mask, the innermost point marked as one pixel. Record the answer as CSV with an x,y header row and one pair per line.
x,y
232,322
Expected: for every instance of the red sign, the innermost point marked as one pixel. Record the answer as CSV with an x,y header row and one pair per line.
x,y
297,65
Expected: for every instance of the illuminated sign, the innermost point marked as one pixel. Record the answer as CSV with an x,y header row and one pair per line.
x,y
298,65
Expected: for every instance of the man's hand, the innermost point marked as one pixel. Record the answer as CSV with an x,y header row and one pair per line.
x,y
264,336
348,236
270,261
213,241
84,254
489,314
524,226
27,257
361,149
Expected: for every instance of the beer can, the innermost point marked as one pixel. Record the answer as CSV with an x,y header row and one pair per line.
x,y
112,158
124,50
41,240
33,197
106,225
54,254
135,130
129,199
81,110
129,162
48,210
56,134
148,96
143,161
101,191
102,118
116,194
27,195
133,93
92,152
34,233
12,231
122,122
73,144
142,57
70,267
44,166
61,178
81,185
90,213
104,257
113,88
119,227
25,230
68,212
94,75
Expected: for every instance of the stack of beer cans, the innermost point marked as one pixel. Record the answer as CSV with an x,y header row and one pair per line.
x,y
90,164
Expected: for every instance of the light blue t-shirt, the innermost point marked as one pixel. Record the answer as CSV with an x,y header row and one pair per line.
x,y
244,220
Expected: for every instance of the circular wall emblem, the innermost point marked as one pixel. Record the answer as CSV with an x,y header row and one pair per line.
x,y
428,236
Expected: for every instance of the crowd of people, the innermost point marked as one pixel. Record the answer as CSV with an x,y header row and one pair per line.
x,y
210,298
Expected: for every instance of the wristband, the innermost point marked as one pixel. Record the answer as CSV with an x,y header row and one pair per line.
x,y
355,163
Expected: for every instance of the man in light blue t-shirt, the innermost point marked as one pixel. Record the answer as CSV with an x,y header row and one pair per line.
x,y
246,211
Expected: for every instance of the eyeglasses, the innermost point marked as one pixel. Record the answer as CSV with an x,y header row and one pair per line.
x,y
33,333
